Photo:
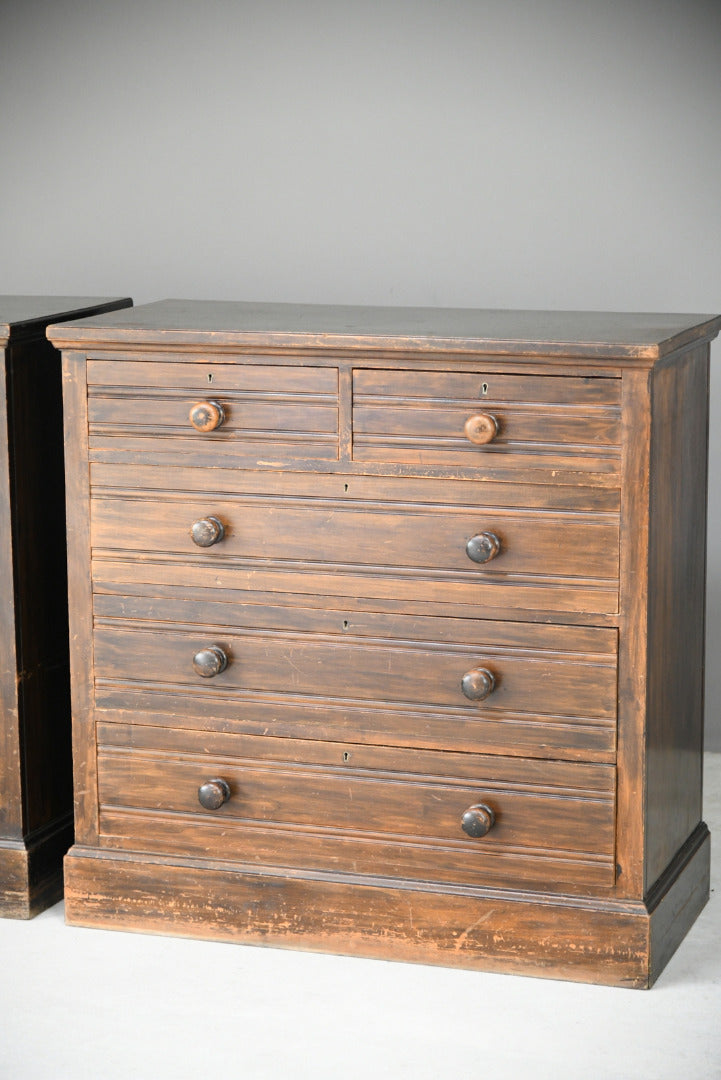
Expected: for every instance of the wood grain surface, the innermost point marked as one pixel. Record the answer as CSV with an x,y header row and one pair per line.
x,y
334,736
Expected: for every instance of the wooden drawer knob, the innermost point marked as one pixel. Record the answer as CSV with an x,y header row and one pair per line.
x,y
481,428
483,547
478,820
207,415
208,531
478,684
213,793
209,662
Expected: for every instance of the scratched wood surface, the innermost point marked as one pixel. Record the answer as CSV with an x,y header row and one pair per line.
x,y
358,692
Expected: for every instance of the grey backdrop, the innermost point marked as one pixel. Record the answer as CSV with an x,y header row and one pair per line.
x,y
497,153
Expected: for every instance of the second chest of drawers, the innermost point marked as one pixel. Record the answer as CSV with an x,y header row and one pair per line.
x,y
362,661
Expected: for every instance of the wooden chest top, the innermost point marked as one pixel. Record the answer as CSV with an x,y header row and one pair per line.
x,y
621,335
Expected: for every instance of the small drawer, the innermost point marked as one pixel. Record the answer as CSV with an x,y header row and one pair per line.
x,y
368,810
542,428
165,413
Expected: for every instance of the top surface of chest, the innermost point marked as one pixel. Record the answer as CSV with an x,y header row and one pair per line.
x,y
224,324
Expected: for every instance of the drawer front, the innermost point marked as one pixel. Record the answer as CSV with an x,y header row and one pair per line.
x,y
339,533
377,672
141,411
542,426
387,671
361,809
396,539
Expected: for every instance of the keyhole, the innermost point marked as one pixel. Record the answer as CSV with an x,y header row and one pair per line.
x,y
210,376
345,487
346,755
345,624
484,388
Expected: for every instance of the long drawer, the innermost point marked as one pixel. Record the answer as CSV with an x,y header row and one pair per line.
x,y
365,810
399,679
387,536
402,539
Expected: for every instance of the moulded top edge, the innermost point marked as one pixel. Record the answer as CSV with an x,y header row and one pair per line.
x,y
220,324
20,314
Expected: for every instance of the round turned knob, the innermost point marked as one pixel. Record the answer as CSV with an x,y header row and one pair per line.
x,y
478,820
478,684
209,662
481,428
207,531
213,793
207,415
483,547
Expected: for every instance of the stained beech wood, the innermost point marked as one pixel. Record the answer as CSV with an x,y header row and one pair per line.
x,y
457,725
207,415
481,428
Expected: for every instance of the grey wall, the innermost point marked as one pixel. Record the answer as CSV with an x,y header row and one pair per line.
x,y
562,154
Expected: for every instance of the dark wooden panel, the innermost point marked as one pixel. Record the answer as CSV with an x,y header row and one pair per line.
x,y
677,594
28,316
35,755
678,897
300,801
263,611
340,533
574,779
11,801
633,632
564,429
340,801
407,410
80,592
413,590
218,324
399,388
311,851
521,734
251,378
530,464
121,478
468,928
340,668
252,449
167,414
41,612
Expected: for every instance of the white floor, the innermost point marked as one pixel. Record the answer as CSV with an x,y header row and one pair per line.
x,y
87,1004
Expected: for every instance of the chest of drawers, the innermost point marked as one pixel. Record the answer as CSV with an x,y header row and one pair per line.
x,y
387,630
36,801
